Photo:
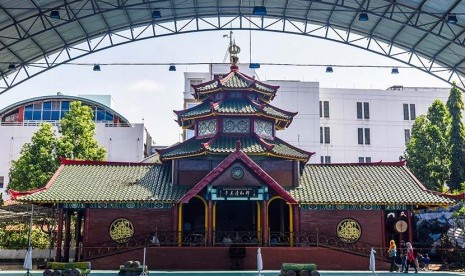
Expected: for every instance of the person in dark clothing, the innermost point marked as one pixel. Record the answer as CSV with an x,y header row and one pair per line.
x,y
403,256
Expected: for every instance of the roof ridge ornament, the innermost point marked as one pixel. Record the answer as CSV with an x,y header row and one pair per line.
x,y
233,50
238,145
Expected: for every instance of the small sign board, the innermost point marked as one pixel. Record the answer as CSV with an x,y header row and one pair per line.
x,y
237,193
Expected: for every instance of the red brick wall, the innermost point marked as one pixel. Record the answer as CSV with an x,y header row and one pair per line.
x,y
327,221
145,221
211,258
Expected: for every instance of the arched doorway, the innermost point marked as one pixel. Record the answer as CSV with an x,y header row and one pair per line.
x,y
236,222
278,222
194,223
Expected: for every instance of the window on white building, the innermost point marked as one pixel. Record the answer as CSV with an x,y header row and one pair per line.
x,y
324,109
364,136
363,110
325,135
325,159
407,136
409,112
364,159
2,181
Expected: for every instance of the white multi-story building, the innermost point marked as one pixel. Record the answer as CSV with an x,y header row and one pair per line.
x,y
18,122
341,125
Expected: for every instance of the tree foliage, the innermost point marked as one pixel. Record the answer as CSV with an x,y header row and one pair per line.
x,y
40,158
427,153
457,139
77,135
15,236
37,161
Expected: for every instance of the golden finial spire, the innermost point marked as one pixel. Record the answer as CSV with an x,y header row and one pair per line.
x,y
233,50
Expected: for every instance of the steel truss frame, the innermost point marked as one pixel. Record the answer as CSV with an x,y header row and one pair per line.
x,y
280,19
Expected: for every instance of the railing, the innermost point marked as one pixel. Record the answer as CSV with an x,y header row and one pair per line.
x,y
28,123
243,238
308,239
161,238
233,238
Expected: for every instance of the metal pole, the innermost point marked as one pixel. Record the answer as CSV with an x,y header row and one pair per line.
x,y
29,249
144,273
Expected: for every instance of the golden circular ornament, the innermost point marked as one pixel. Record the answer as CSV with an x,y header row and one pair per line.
x,y
349,230
401,226
121,230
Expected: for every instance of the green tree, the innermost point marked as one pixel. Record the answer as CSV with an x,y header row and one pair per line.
x,y
40,159
416,152
427,153
37,161
457,139
77,135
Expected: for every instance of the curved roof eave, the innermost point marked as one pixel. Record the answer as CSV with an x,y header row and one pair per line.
x,y
64,97
422,30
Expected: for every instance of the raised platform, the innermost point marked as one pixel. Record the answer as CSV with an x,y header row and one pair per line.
x,y
218,258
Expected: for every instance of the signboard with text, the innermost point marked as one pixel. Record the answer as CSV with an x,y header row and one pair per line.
x,y
238,193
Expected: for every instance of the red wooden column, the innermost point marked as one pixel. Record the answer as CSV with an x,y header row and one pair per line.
x,y
210,223
174,216
67,236
59,235
265,222
85,230
383,232
296,214
77,235
409,218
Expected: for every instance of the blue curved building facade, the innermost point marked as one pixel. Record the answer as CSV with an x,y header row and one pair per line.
x,y
124,141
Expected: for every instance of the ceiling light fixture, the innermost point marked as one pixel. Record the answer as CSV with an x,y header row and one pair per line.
x,y
55,14
452,19
156,14
363,16
259,10
254,65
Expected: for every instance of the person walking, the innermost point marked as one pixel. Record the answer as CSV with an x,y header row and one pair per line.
x,y
392,251
410,257
403,256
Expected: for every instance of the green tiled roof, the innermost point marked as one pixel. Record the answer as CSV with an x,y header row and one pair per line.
x,y
234,106
227,144
240,106
189,147
378,184
234,80
110,183
333,184
208,86
200,109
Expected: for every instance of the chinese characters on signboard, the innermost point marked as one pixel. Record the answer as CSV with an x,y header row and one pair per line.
x,y
237,192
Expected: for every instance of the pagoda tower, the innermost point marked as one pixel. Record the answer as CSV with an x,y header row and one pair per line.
x,y
234,108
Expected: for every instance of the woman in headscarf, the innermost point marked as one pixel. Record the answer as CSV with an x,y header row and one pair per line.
x,y
392,251
410,257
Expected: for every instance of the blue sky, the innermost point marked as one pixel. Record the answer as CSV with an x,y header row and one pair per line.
x,y
151,93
